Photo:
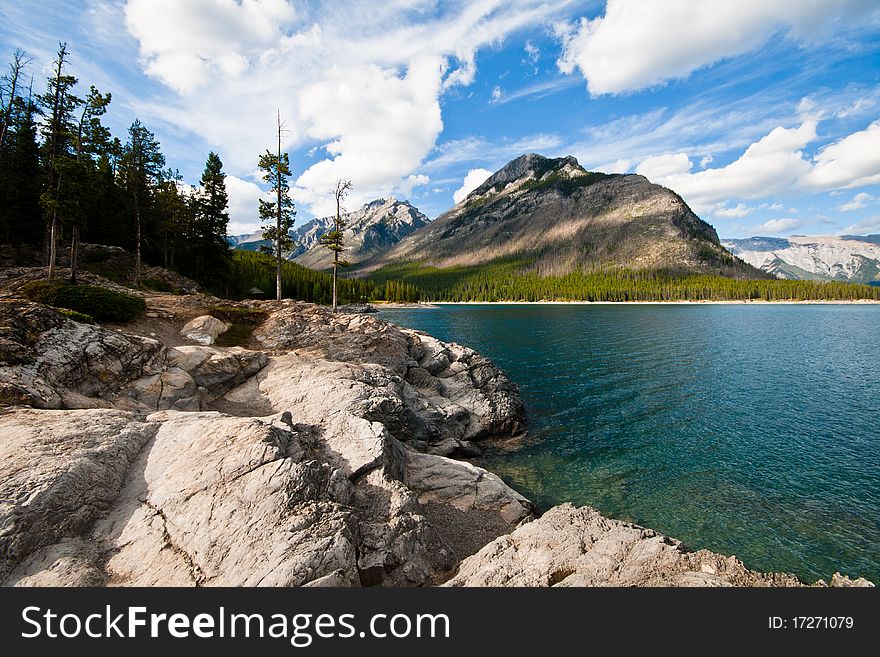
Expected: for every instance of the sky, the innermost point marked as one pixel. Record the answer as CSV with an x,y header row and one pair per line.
x,y
764,115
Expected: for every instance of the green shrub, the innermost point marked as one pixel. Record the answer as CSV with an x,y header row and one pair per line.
x,y
100,303
76,316
156,285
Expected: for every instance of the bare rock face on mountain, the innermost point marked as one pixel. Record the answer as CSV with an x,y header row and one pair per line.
x,y
374,228
556,217
851,258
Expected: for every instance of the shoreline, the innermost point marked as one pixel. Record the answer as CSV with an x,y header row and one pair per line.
x,y
751,302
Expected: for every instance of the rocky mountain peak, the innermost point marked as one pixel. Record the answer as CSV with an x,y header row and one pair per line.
x,y
530,166
374,227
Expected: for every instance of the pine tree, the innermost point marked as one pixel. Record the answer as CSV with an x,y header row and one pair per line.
x,y
334,240
213,258
20,215
59,104
10,90
276,168
141,164
91,139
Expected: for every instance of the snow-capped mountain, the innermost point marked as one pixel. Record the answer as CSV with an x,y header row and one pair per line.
x,y
373,228
851,258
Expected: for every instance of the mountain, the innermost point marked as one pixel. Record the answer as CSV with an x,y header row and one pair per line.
x,y
374,228
250,242
556,217
850,258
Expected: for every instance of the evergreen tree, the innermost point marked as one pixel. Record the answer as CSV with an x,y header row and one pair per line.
x,y
59,131
20,215
10,90
278,215
92,138
334,240
213,258
141,167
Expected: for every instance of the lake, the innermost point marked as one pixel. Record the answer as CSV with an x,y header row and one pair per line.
x,y
745,429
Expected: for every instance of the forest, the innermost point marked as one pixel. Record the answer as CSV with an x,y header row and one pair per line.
x,y
510,280
65,179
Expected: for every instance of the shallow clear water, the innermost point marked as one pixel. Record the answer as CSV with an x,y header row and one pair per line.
x,y
749,430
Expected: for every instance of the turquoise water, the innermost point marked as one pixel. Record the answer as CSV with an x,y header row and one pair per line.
x,y
749,430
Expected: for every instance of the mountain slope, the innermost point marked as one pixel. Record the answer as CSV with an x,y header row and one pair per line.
x,y
557,218
376,227
848,258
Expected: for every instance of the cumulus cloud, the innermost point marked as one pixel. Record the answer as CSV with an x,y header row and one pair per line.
x,y
183,43
369,99
859,201
641,43
854,161
776,226
243,203
773,164
473,179
411,182
739,211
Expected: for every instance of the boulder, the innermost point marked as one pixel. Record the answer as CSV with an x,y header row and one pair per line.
x,y
60,363
204,329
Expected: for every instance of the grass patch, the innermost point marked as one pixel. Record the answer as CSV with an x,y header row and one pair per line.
x,y
98,303
76,316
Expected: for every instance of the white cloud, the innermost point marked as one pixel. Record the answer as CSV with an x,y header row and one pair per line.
x,y
870,225
184,43
533,53
243,205
739,211
776,226
859,201
618,166
370,96
406,187
497,94
642,43
473,179
773,164
854,161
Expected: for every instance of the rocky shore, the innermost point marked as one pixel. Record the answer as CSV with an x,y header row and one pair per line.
x,y
324,452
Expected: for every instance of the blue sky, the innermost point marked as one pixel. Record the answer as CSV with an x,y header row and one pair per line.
x,y
763,114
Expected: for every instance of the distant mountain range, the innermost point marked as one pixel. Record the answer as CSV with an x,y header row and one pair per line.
x,y
850,258
556,217
373,229
552,217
